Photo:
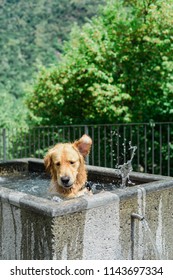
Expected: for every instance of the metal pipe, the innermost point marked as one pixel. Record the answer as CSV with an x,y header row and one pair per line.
x,y
133,217
137,216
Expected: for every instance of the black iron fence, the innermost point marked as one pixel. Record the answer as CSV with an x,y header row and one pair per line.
x,y
111,144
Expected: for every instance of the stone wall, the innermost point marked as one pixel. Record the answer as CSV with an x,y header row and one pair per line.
x,y
100,226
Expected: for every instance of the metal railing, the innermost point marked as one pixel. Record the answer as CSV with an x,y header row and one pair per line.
x,y
110,147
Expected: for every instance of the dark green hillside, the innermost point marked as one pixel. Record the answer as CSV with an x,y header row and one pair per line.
x,y
31,35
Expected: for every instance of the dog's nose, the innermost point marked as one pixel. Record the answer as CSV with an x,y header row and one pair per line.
x,y
65,180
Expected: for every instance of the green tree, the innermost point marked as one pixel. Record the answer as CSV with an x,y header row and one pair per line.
x,y
116,68
13,113
32,33
145,60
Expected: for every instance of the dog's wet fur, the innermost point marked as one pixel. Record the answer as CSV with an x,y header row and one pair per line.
x,y
66,164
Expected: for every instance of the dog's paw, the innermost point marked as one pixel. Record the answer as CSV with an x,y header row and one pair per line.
x,y
56,198
83,192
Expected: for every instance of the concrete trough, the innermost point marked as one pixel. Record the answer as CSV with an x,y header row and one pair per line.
x,y
106,225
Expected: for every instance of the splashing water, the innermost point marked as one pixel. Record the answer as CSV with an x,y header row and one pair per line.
x,y
126,168
147,229
38,184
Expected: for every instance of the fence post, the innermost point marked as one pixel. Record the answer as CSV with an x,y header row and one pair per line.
x,y
4,144
86,132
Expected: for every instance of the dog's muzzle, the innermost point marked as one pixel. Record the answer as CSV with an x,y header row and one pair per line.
x,y
65,180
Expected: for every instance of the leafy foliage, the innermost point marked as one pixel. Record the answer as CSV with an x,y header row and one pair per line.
x,y
32,34
116,68
12,112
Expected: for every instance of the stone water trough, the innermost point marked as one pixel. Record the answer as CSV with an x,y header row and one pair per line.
x,y
131,223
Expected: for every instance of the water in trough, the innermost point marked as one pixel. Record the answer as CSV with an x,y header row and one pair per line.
x,y
38,183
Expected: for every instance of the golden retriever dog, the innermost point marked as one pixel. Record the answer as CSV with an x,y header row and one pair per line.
x,y
66,164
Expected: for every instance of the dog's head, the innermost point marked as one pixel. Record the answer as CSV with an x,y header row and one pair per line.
x,y
65,162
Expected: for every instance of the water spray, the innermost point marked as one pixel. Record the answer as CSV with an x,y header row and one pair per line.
x,y
126,168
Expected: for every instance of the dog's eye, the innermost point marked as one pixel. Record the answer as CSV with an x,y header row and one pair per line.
x,y
72,162
57,163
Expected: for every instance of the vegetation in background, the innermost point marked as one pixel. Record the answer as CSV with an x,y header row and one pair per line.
x,y
116,68
32,34
12,112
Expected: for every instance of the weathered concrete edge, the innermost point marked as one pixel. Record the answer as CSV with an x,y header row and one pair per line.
x,y
38,166
137,176
52,208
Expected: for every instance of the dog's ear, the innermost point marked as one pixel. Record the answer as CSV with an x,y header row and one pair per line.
x,y
83,145
48,161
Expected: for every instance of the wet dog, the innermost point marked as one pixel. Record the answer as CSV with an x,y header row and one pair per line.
x,y
66,164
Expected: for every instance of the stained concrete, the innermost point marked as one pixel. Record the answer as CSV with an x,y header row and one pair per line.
x,y
90,227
